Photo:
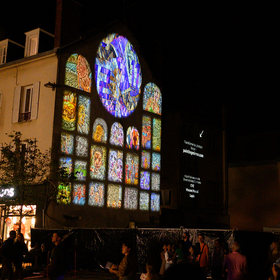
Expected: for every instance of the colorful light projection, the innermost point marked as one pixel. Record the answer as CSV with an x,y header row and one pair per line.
x,y
114,196
155,182
63,193
100,131
131,169
118,75
67,143
145,180
81,146
130,199
65,164
80,170
96,194
156,134
79,194
77,73
69,111
155,202
144,201
146,132
97,162
115,172
145,159
132,138
152,99
117,135
83,114
156,161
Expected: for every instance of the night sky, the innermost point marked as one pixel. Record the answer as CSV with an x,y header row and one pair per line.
x,y
207,54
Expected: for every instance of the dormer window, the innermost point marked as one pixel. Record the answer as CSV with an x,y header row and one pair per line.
x,y
3,51
32,42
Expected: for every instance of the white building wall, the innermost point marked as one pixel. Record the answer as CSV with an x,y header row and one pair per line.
x,y
41,69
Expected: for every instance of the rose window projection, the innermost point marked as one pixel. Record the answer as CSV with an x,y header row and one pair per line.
x,y
115,163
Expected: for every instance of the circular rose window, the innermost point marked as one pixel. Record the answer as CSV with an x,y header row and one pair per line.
x,y
118,76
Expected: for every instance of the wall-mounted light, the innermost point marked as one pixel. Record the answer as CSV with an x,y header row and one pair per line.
x,y
51,85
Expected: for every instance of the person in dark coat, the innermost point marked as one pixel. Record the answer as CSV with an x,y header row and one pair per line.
x,y
20,251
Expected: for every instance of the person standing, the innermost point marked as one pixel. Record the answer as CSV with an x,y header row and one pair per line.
x,y
8,255
20,250
187,242
217,261
203,257
235,264
57,266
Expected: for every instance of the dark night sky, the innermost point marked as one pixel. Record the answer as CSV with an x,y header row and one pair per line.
x,y
204,53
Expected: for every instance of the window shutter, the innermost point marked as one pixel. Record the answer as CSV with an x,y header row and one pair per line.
x,y
16,104
35,101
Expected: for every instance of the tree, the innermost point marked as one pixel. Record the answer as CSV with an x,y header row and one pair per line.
x,y
24,167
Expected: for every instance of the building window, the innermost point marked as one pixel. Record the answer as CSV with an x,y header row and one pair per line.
x,y
32,42
26,100
3,51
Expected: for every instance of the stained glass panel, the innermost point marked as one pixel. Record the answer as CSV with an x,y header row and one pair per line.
x,y
146,132
114,196
132,138
155,202
77,73
69,111
67,143
81,146
100,131
80,170
79,194
118,75
115,163
64,193
144,201
145,180
156,134
96,194
152,99
117,136
145,159
83,114
155,182
130,198
97,162
131,169
156,161
66,164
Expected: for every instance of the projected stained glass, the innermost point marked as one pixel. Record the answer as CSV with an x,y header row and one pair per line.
x,y
117,136
115,172
152,99
69,111
131,169
67,143
145,180
81,146
114,196
96,194
155,182
144,201
97,162
130,199
77,73
66,164
156,134
79,194
83,114
100,131
64,193
155,202
145,159
146,132
132,138
156,161
80,170
118,75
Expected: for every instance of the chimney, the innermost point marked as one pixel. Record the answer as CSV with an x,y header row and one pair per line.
x,y
67,22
